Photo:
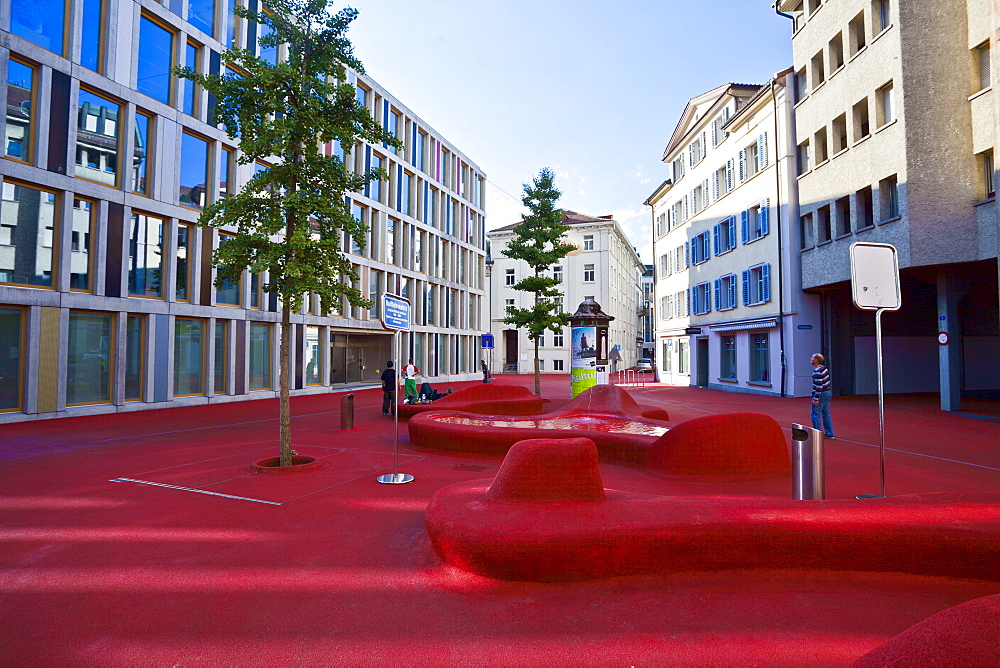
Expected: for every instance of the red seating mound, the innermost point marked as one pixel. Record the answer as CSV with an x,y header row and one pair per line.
x,y
730,444
965,635
723,444
543,520
486,398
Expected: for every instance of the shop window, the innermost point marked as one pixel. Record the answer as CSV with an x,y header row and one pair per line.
x,y
88,358
260,356
11,361
189,354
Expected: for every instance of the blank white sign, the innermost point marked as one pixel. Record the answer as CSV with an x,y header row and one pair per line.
x,y
875,276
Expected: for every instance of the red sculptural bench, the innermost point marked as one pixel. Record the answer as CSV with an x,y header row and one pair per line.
x,y
739,444
547,517
483,398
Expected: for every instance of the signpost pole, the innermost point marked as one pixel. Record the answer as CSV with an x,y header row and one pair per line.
x,y
395,316
881,399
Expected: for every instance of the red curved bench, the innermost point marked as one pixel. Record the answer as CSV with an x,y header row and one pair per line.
x,y
485,398
735,444
547,517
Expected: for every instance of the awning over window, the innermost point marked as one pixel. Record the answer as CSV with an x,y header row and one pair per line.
x,y
743,326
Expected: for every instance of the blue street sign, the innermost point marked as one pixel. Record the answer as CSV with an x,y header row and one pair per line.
x,y
805,326
395,312
487,340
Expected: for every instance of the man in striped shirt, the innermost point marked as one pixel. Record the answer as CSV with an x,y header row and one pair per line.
x,y
821,395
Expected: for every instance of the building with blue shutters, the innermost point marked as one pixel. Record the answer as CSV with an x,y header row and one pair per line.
x,y
730,313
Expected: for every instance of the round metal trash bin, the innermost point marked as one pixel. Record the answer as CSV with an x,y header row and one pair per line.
x,y
807,463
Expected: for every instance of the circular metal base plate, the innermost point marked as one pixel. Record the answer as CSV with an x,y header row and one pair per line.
x,y
394,478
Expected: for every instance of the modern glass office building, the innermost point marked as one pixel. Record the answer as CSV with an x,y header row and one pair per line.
x,y
107,294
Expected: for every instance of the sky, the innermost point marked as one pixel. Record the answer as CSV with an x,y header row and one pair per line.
x,y
592,90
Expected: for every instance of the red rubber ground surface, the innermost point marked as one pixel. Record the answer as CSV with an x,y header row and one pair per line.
x,y
341,571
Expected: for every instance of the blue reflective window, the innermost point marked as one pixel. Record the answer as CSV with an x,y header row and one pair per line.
x,y
268,53
90,43
155,59
42,22
201,14
97,138
20,92
230,24
140,154
194,171
190,90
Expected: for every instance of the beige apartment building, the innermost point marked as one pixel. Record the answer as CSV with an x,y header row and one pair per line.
x,y
896,119
605,267
730,314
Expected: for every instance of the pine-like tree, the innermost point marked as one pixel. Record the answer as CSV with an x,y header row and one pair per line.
x,y
538,240
290,219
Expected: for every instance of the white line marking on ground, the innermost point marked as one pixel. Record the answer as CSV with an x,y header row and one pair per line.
x,y
191,489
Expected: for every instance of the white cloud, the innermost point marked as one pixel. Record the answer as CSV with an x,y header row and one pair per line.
x,y
640,175
637,227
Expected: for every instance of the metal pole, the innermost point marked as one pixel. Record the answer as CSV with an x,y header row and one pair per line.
x,y
881,398
395,478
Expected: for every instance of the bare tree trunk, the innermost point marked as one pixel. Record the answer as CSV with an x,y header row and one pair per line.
x,y
538,375
285,408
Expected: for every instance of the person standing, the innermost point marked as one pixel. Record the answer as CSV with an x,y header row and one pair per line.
x,y
486,371
410,373
389,389
822,393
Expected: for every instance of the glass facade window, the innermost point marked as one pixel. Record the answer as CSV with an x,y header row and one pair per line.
x,y
145,262
375,294
760,361
92,37
267,53
312,357
359,212
184,237
192,60
231,19
189,362
229,293
375,186
88,359
42,22
20,110
27,231
260,356
727,360
193,182
141,153
11,338
98,140
155,59
201,14
390,240
135,357
683,361
255,290
405,186
80,236
226,171
220,372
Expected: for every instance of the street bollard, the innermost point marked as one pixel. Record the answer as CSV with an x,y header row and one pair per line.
x,y
807,464
347,412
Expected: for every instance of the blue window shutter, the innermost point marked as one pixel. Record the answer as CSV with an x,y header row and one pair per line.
x,y
704,194
715,186
715,239
762,151
687,299
746,287
729,175
743,159
691,155
732,234
745,225
765,273
715,132
764,217
718,294
732,291
687,254
696,301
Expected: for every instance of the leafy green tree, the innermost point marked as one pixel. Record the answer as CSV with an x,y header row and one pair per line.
x,y
538,240
290,218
